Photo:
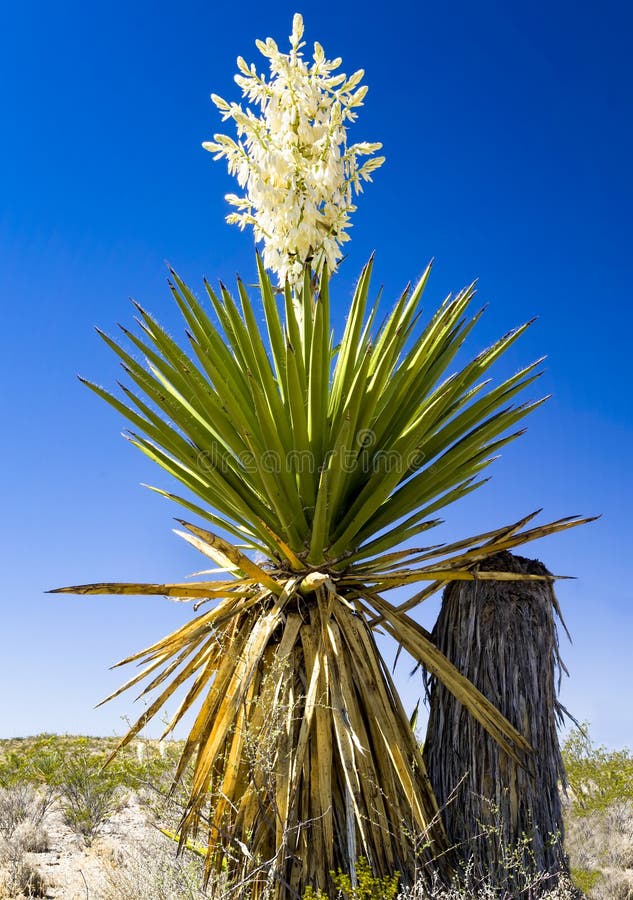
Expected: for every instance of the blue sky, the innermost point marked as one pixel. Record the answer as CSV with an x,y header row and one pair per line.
x,y
509,138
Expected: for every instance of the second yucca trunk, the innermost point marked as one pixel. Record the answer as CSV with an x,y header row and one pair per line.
x,y
506,819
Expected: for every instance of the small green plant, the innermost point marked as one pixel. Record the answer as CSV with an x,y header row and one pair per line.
x,y
585,879
368,886
311,894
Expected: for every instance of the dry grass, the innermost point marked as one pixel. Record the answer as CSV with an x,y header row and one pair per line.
x,y
21,834
150,870
600,847
565,890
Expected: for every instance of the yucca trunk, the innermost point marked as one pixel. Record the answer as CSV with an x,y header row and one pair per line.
x,y
305,758
502,635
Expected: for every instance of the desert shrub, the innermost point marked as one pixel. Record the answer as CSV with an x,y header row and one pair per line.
x,y
31,837
20,804
15,805
33,772
598,777
19,877
10,769
22,880
89,794
22,758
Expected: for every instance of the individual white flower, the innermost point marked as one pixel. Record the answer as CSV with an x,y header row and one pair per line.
x,y
292,160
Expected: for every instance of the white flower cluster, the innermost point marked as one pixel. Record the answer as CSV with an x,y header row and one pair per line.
x,y
293,162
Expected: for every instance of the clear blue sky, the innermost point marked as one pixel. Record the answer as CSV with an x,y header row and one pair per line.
x,y
509,139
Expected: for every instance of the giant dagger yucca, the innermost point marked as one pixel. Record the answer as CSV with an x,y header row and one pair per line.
x,y
317,469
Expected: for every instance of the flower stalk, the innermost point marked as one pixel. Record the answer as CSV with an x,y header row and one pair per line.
x,y
293,162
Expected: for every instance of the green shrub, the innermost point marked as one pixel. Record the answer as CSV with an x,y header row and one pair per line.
x,y
89,794
598,777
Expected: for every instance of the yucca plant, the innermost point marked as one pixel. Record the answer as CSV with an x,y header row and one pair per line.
x,y
322,462
316,466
